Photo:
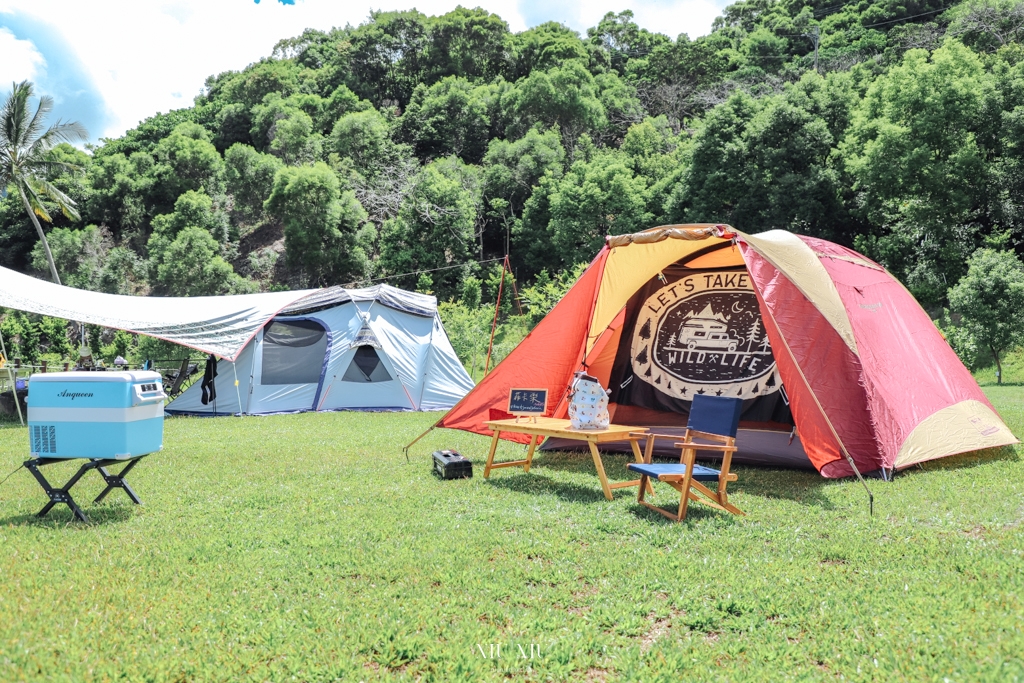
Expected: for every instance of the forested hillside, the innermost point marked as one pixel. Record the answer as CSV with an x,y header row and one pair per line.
x,y
418,149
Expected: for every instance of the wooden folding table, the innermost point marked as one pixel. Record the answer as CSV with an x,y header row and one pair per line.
x,y
549,426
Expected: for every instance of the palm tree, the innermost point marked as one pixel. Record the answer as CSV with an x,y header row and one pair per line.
x,y
26,162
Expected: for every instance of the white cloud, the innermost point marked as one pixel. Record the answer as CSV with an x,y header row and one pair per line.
x,y
693,17
21,60
146,57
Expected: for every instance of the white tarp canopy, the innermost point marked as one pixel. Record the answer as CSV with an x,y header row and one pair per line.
x,y
221,325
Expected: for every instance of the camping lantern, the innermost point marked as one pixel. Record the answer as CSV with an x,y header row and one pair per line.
x,y
95,415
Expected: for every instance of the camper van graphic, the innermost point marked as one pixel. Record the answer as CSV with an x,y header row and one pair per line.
x,y
704,334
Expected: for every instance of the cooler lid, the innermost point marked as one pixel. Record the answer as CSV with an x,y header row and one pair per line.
x,y
123,377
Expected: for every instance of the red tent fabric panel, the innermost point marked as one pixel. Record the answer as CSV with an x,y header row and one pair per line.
x,y
547,358
910,371
827,367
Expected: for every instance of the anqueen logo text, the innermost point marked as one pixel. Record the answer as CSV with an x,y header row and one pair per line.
x,y
75,394
704,334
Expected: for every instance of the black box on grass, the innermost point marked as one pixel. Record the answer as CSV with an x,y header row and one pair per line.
x,y
451,465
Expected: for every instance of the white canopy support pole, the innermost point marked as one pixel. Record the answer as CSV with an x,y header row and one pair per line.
x,y
14,380
238,395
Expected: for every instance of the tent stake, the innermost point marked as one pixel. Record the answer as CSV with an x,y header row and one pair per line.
x,y
411,443
14,380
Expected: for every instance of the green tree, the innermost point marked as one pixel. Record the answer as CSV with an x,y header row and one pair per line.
x,y
544,47
191,265
364,138
918,149
26,158
436,227
622,40
468,43
566,220
249,178
511,171
186,250
449,117
387,56
124,272
566,97
122,188
325,230
79,254
989,300
184,160
714,180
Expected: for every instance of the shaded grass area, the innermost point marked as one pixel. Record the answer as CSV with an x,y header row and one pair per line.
x,y
1013,370
304,547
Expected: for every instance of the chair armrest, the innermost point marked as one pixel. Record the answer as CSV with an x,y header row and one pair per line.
x,y
709,435
706,447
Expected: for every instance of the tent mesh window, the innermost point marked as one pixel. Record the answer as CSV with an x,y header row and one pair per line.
x,y
293,352
366,366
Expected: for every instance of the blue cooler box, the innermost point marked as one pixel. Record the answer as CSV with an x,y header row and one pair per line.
x,y
95,415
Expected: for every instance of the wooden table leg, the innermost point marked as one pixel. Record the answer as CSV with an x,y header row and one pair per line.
x,y
600,470
490,454
529,452
641,459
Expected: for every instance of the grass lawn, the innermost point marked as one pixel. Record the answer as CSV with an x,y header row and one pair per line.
x,y
303,547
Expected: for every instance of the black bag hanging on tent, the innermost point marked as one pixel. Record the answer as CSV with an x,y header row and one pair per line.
x,y
208,386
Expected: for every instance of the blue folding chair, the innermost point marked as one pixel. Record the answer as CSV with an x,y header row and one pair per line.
x,y
713,423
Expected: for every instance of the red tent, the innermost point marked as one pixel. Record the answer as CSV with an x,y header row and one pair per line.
x,y
834,358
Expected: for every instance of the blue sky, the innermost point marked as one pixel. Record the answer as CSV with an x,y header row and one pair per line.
x,y
111,64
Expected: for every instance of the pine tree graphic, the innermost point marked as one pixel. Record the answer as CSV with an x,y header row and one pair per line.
x,y
754,334
672,339
645,331
642,357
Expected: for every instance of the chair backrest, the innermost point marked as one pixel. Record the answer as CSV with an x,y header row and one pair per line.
x,y
715,414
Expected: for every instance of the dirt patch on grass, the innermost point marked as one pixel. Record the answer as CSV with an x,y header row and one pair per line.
x,y
659,629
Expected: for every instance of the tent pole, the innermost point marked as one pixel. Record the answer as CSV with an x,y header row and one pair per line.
x,y
494,323
835,435
512,279
14,380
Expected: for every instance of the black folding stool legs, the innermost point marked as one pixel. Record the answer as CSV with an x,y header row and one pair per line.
x,y
116,481
63,494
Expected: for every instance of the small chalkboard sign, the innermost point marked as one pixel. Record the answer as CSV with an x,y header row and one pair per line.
x,y
527,402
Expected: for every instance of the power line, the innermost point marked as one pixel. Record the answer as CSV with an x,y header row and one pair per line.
x,y
915,16
428,270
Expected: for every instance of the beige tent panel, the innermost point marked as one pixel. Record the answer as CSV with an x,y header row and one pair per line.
x,y
794,259
629,266
960,428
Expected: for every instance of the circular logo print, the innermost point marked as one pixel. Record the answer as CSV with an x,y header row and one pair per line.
x,y
704,334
